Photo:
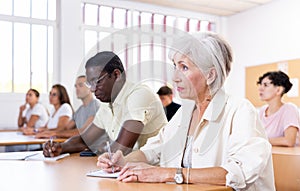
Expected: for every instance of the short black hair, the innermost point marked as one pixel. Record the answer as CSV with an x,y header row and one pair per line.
x,y
278,78
164,90
107,60
36,93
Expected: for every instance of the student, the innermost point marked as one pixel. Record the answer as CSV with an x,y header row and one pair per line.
x,y
213,139
166,97
36,115
281,120
83,116
127,119
60,115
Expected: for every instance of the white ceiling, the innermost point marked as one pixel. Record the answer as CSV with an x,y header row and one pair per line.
x,y
215,7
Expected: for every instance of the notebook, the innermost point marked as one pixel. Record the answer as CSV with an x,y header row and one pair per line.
x,y
17,155
41,157
30,155
103,174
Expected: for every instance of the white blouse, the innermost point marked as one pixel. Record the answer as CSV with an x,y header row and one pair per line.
x,y
230,135
64,110
39,110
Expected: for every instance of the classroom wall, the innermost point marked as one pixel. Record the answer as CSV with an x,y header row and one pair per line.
x,y
267,34
69,56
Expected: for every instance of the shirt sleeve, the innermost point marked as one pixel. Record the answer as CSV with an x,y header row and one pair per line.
x,y
153,148
37,110
248,151
291,116
142,105
65,110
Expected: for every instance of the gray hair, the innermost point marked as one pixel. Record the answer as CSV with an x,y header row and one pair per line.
x,y
206,50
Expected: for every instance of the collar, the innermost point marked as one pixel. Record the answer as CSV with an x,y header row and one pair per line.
x,y
127,87
216,106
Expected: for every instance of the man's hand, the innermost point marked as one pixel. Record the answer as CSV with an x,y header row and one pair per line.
x,y
52,150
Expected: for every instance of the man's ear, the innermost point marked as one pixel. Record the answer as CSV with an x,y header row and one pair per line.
x,y
117,74
211,76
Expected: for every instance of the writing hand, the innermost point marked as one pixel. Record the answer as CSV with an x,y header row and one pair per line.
x,y
108,163
52,149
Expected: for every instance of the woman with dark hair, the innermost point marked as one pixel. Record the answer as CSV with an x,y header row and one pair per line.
x,y
36,115
32,116
61,113
281,120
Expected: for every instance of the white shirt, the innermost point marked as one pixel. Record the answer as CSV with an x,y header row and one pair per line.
x,y
39,110
134,102
230,136
64,110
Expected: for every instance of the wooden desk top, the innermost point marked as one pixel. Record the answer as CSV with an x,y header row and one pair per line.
x,y
286,150
17,138
69,174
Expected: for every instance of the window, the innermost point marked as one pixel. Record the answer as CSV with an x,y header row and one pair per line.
x,y
144,52
26,48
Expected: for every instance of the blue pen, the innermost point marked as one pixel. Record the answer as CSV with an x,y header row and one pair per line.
x,y
110,155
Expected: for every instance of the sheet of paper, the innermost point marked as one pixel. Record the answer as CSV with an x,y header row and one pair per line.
x,y
18,155
41,157
103,174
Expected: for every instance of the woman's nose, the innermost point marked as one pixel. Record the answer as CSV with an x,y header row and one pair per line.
x,y
176,76
260,88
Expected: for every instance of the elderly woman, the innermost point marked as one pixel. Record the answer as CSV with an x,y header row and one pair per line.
x,y
281,120
214,138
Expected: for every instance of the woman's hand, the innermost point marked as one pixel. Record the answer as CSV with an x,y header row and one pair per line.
x,y
22,107
45,134
112,163
140,172
28,130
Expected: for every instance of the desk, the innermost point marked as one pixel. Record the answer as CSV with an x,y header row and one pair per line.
x,y
69,174
17,138
286,163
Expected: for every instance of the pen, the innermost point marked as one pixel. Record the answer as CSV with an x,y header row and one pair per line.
x,y
110,155
51,144
51,141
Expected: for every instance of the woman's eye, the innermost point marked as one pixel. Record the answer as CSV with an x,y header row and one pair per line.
x,y
184,68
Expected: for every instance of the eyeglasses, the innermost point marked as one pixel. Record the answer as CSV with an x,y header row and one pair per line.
x,y
52,94
94,82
